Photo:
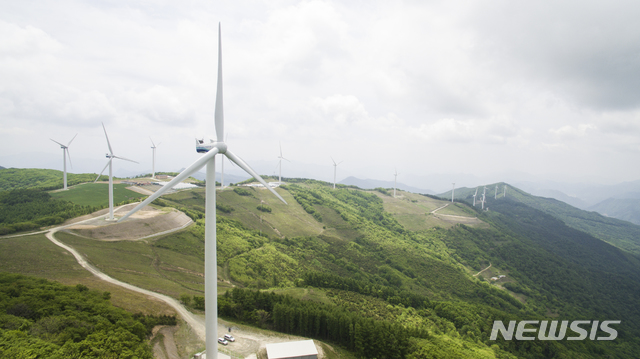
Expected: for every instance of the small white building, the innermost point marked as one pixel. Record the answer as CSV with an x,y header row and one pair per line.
x,y
304,349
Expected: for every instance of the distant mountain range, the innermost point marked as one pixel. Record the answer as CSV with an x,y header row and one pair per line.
x,y
371,184
617,201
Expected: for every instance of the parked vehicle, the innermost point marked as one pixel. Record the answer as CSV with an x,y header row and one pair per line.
x,y
229,337
222,341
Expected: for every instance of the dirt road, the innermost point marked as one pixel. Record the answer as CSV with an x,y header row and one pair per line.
x,y
195,322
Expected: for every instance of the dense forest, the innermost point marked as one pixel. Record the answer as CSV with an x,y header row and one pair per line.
x,y
43,319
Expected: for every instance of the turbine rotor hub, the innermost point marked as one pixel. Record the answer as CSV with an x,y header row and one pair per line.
x,y
221,146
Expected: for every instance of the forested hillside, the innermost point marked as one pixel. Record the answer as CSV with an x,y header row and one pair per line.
x,y
626,209
617,232
418,284
28,209
13,178
42,319
407,277
26,204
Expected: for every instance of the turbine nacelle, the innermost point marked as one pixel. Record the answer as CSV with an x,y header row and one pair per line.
x,y
202,146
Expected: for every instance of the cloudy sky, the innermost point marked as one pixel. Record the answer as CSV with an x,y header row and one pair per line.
x,y
483,88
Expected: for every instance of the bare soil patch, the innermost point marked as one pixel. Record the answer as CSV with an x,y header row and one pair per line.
x,y
164,344
251,342
148,221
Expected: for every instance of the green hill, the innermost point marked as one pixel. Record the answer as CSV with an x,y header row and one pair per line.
x,y
626,209
13,178
619,233
26,204
391,277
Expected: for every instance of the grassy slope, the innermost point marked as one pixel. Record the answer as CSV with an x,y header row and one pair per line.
x,y
36,256
96,194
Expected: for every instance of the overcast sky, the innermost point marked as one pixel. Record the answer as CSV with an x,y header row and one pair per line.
x,y
484,88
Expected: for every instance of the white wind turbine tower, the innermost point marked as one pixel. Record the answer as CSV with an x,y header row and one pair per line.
x,y
504,194
335,168
280,165
210,266
110,156
495,196
474,197
153,162
453,190
395,181
65,154
484,192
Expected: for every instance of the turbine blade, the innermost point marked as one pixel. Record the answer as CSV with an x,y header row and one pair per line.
x,y
69,156
57,142
250,171
334,161
340,162
280,144
126,159
108,143
74,137
154,145
105,167
197,165
219,112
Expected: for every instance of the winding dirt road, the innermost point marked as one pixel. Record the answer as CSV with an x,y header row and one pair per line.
x,y
194,321
477,274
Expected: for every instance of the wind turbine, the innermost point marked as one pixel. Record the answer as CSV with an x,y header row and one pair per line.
x,y
65,154
335,168
484,192
110,156
504,194
495,196
153,163
280,165
474,197
453,190
210,267
394,183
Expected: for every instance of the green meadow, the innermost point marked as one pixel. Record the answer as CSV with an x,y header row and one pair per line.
x,y
96,194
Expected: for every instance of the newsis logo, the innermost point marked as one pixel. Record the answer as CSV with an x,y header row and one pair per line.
x,y
526,330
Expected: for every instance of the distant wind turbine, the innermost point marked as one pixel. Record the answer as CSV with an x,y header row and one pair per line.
x,y
210,267
65,154
474,197
484,192
280,165
453,190
335,168
394,183
495,196
110,156
505,191
153,163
